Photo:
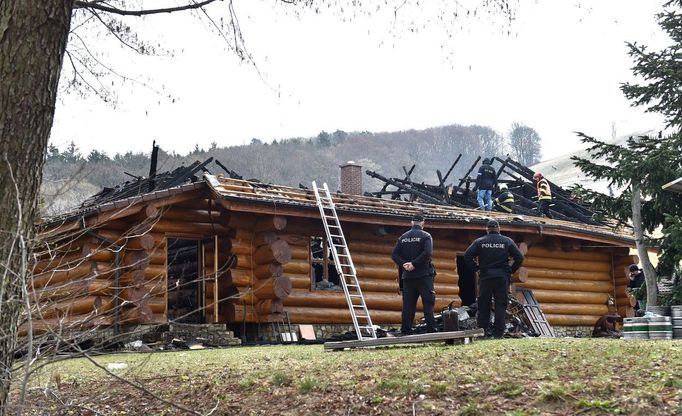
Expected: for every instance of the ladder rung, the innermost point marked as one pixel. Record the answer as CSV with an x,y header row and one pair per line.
x,y
355,296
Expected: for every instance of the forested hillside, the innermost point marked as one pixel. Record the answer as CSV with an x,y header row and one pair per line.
x,y
70,177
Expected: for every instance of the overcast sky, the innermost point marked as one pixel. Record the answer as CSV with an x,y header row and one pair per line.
x,y
557,68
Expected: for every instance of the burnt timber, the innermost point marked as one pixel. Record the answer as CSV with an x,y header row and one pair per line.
x,y
518,177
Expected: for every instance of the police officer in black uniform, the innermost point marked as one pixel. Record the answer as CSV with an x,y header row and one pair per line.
x,y
493,252
412,254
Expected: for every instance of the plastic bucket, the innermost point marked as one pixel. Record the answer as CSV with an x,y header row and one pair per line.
x,y
660,327
635,328
676,312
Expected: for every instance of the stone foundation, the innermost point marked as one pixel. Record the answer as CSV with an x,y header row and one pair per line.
x,y
213,335
271,333
573,331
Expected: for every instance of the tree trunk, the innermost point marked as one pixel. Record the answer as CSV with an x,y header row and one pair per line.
x,y
649,271
33,35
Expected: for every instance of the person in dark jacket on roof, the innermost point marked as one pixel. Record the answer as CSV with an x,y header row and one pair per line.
x,y
493,251
412,253
486,180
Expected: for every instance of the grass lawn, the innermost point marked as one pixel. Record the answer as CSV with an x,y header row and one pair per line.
x,y
508,377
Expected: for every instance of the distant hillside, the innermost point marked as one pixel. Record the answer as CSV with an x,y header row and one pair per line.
x,y
563,172
70,177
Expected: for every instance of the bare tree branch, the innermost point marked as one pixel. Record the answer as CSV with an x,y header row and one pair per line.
x,y
96,5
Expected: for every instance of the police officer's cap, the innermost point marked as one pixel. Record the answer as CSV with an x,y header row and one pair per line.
x,y
493,224
417,217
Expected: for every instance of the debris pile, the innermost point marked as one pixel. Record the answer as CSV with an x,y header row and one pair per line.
x,y
462,192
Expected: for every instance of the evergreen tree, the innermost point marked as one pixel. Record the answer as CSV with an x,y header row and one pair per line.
x,y
644,164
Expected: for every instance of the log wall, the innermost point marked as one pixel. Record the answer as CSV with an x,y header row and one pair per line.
x,y
572,286
378,277
74,280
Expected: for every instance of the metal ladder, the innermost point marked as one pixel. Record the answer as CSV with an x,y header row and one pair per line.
x,y
344,264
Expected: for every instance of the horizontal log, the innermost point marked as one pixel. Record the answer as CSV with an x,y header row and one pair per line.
x,y
195,215
135,260
73,289
568,285
238,313
277,252
565,264
592,256
77,306
264,238
270,223
567,274
574,309
241,247
269,306
312,315
275,288
624,261
71,260
299,281
181,227
148,290
243,261
373,259
132,277
60,325
300,252
374,301
557,296
153,271
138,315
302,281
239,278
266,271
57,276
572,320
297,267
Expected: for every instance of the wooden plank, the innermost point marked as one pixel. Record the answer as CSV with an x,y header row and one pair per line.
x,y
407,339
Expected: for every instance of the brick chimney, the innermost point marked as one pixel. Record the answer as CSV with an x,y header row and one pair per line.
x,y
351,178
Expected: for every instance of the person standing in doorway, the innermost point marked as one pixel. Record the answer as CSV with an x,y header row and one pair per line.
x,y
412,253
486,180
493,251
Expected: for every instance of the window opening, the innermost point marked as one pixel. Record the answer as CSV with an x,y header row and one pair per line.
x,y
323,273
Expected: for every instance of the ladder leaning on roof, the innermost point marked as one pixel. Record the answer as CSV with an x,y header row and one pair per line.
x,y
344,264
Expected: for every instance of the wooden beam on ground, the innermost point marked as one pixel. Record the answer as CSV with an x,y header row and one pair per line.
x,y
407,339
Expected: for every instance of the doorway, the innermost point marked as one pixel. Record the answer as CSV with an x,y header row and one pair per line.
x,y
467,282
183,280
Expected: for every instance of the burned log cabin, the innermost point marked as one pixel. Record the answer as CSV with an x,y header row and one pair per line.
x,y
230,251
